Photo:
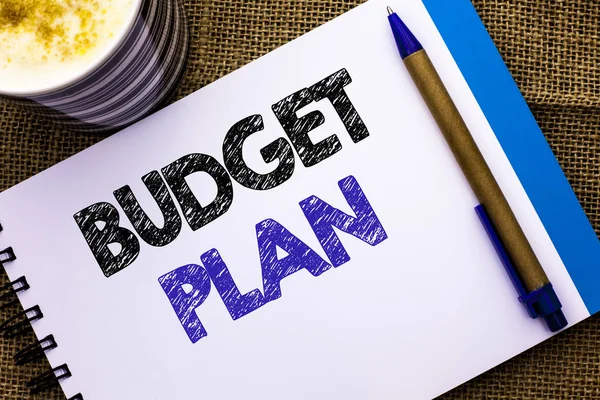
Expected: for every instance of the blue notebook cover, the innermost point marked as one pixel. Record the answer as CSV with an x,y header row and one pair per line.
x,y
523,142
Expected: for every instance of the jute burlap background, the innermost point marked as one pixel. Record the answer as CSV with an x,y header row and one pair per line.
x,y
552,49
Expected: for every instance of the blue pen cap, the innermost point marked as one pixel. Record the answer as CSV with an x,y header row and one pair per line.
x,y
545,302
407,42
556,321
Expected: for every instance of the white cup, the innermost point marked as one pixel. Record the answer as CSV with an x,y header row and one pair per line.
x,y
133,77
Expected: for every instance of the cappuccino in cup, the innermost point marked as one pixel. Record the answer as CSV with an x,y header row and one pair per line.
x,y
95,65
44,43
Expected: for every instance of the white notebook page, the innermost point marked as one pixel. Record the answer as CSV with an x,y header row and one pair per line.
x,y
419,313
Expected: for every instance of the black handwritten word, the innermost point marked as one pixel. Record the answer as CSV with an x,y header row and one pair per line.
x,y
270,234
297,129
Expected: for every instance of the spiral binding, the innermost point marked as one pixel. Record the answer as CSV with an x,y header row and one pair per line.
x,y
12,288
20,322
35,351
7,255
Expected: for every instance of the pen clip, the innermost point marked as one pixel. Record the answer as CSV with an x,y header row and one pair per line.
x,y
508,265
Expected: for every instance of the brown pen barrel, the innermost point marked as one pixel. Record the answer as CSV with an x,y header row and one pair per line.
x,y
475,169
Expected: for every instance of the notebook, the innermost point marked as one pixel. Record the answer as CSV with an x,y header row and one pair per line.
x,y
298,229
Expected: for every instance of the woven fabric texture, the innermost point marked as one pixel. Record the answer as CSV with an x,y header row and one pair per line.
x,y
552,49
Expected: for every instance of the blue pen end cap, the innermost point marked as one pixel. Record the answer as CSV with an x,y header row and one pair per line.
x,y
556,321
544,302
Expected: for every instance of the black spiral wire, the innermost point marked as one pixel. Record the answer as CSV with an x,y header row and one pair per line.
x,y
19,323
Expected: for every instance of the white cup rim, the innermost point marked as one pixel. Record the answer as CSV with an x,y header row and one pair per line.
x,y
109,51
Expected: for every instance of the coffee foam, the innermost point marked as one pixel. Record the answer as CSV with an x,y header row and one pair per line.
x,y
48,43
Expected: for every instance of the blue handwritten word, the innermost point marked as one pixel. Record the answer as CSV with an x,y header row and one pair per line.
x,y
187,287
